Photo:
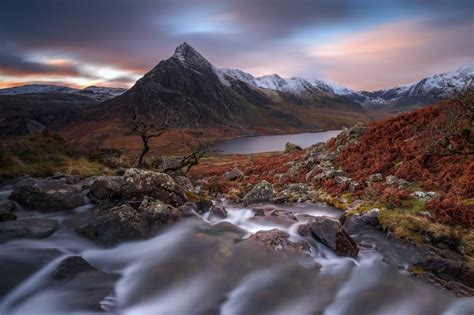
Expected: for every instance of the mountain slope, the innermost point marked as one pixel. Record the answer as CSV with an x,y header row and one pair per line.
x,y
32,108
197,96
425,91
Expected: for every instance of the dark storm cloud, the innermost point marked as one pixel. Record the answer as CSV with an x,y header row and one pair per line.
x,y
13,64
134,35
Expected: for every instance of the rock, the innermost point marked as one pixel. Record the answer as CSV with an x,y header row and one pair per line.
x,y
47,195
356,223
356,204
184,183
330,232
140,183
155,211
202,203
112,226
27,228
291,147
375,178
261,192
233,174
68,179
425,195
395,181
277,240
8,206
354,186
188,209
106,187
72,266
342,180
7,216
218,211
445,268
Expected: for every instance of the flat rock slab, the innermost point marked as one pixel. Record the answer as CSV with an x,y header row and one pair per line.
x,y
27,228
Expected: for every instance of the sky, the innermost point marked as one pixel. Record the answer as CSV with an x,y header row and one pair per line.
x,y
362,44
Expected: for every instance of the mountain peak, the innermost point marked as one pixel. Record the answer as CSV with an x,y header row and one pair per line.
x,y
187,54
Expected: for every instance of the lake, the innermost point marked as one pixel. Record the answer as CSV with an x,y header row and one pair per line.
x,y
247,145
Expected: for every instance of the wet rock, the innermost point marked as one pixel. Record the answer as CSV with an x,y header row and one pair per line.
x,y
8,206
261,192
27,228
234,174
7,216
291,147
106,187
188,209
47,195
357,223
330,232
140,183
113,226
155,211
277,240
71,267
184,183
444,267
202,203
218,212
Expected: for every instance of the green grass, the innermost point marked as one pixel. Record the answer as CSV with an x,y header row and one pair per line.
x,y
43,155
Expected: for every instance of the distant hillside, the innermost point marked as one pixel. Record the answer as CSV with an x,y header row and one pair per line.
x,y
29,109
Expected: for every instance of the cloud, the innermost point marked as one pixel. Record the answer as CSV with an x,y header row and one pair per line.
x,y
396,53
261,37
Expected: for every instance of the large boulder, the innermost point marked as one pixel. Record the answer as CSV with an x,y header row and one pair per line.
x,y
140,183
112,226
155,211
27,228
106,187
262,192
291,147
47,195
330,232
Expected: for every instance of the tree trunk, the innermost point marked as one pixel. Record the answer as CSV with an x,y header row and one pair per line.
x,y
146,148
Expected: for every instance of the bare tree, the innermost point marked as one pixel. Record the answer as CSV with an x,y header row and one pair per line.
x,y
186,162
147,127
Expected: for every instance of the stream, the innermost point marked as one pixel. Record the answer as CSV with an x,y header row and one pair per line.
x,y
201,265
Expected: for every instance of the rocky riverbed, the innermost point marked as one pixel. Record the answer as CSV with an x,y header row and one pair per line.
x,y
147,243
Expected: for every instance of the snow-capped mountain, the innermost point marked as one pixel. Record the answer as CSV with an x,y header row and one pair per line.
x,y
436,87
427,90
94,92
291,85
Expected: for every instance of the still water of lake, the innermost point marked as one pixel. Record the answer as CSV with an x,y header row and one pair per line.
x,y
247,145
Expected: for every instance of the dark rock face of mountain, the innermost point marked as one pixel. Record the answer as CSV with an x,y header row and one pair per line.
x,y
197,95
187,87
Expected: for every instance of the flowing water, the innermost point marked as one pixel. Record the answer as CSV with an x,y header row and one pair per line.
x,y
248,145
203,265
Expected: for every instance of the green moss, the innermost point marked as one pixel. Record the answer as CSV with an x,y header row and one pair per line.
x,y
43,155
